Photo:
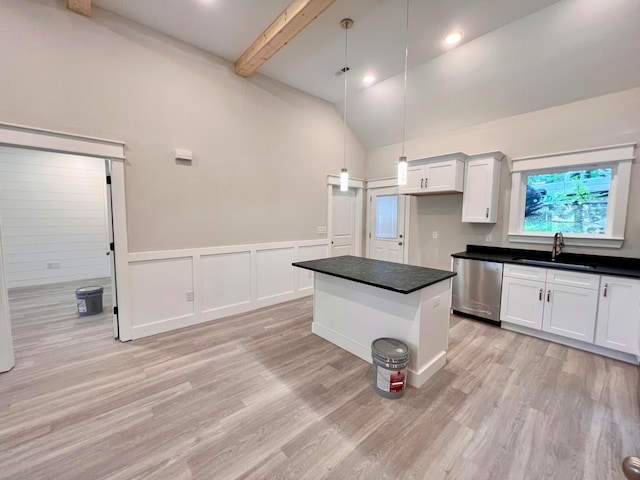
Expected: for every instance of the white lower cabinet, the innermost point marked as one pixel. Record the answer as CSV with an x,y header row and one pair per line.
x,y
555,305
570,312
522,302
618,325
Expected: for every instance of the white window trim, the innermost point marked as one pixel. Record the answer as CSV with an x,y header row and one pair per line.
x,y
618,157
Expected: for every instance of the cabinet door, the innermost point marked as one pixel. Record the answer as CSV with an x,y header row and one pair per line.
x,y
480,198
619,314
477,191
415,179
570,312
522,302
443,177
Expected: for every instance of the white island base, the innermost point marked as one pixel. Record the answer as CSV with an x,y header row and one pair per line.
x,y
351,315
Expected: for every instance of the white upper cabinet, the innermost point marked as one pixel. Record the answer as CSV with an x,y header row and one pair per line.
x,y
443,174
618,324
481,188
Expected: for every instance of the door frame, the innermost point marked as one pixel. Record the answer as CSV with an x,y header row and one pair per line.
x,y
390,184
359,185
20,136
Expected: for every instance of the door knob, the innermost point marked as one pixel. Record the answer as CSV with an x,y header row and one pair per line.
x,y
631,468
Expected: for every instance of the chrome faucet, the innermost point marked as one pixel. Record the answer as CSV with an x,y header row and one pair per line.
x,y
558,245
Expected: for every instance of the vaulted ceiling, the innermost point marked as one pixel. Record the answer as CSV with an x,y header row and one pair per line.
x,y
517,56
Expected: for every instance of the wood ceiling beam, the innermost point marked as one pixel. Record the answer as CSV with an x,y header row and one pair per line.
x,y
289,24
83,7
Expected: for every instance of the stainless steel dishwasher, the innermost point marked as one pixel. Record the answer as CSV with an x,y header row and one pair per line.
x,y
477,289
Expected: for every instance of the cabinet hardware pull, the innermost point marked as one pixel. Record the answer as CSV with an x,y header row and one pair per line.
x,y
399,243
426,183
540,295
606,285
487,212
422,183
548,295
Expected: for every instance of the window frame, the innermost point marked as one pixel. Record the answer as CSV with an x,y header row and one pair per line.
x,y
618,157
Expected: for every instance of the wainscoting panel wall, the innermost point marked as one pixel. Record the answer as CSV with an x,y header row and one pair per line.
x,y
224,281
274,273
159,290
53,217
308,252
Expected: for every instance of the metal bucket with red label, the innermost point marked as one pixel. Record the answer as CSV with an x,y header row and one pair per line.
x,y
389,373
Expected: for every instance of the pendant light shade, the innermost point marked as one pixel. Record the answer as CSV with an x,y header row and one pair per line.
x,y
344,180
402,161
345,23
402,171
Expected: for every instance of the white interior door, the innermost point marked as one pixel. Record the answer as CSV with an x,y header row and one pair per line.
x,y
386,223
343,222
6,344
111,251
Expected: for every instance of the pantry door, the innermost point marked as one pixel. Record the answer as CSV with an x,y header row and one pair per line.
x,y
345,218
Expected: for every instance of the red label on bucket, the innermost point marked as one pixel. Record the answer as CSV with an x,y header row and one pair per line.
x,y
396,381
391,380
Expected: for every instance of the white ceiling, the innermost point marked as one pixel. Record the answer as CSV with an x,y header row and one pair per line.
x,y
517,55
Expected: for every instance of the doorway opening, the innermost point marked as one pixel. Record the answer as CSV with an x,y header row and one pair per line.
x,y
56,229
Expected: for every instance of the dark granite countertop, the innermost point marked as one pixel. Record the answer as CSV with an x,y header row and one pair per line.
x,y
396,277
601,265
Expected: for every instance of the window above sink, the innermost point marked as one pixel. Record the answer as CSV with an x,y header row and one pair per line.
x,y
582,194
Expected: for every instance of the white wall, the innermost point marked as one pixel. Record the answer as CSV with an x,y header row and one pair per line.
x,y
53,216
596,122
261,150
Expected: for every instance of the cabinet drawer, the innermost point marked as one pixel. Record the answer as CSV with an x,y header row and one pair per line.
x,y
525,273
573,279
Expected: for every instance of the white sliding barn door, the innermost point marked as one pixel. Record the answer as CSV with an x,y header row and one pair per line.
x,y
6,343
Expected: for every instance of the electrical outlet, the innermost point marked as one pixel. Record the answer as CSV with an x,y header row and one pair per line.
x,y
488,237
53,265
189,296
322,230
435,234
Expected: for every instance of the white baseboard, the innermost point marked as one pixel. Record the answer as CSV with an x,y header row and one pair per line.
x,y
569,342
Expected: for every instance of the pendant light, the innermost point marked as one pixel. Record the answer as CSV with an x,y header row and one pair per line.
x,y
346,23
402,162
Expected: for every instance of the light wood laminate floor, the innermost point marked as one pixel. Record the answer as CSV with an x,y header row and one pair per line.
x,y
257,396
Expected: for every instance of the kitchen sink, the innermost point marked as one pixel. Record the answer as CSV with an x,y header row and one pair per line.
x,y
552,263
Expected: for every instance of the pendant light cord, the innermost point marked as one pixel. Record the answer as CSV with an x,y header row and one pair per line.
x,y
346,72
406,63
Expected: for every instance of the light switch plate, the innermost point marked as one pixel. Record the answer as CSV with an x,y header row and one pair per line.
x,y
189,296
435,234
322,230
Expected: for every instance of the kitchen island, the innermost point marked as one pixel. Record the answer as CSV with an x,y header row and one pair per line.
x,y
357,300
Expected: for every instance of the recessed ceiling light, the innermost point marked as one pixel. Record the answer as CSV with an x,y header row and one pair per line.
x,y
454,38
368,79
